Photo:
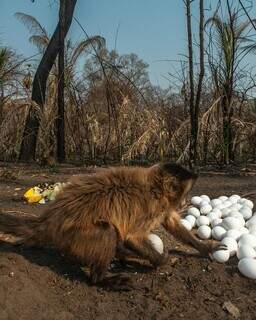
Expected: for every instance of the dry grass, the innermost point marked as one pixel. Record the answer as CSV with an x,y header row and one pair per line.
x,y
135,132
11,130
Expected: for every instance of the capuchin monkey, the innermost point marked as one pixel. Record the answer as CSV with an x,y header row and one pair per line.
x,y
110,213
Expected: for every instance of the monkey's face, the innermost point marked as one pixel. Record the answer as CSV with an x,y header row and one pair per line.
x,y
175,182
186,187
182,189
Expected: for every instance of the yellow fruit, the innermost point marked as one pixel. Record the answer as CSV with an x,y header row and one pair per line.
x,y
33,195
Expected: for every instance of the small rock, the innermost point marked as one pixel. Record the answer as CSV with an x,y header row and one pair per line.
x,y
17,189
231,309
209,268
173,261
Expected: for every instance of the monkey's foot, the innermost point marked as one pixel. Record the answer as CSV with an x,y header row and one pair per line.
x,y
161,261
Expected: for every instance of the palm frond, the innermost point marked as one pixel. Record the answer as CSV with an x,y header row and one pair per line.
x,y
249,48
33,25
40,41
83,45
3,57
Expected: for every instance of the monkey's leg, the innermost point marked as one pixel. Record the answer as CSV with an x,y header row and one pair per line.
x,y
142,247
173,225
101,250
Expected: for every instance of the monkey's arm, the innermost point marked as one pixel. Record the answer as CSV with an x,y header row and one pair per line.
x,y
173,225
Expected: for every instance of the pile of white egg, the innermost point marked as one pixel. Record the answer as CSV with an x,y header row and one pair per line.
x,y
229,220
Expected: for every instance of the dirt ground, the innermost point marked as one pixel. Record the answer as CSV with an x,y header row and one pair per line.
x,y
42,284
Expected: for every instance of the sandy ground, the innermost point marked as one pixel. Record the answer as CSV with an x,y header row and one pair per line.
x,y
43,284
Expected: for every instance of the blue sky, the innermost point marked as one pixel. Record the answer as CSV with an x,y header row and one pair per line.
x,y
153,29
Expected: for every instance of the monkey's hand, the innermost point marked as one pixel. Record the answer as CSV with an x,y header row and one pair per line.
x,y
208,248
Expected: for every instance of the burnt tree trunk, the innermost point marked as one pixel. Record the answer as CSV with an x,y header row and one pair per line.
x,y
194,133
195,97
191,81
60,122
29,141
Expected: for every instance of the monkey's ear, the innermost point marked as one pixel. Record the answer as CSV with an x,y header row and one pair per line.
x,y
188,185
155,166
155,169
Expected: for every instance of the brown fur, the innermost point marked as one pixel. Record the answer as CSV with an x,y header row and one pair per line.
x,y
111,212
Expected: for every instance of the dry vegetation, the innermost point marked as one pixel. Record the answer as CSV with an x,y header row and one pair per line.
x,y
134,130
114,113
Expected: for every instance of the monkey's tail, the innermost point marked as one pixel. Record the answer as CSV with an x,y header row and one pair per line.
x,y
23,228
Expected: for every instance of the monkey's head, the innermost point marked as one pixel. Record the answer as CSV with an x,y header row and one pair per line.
x,y
175,183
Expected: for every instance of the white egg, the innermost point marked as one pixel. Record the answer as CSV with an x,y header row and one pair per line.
x,y
218,211
231,223
216,222
220,206
247,239
205,198
204,232
202,220
221,255
215,202
186,224
251,221
244,206
204,203
191,219
156,242
246,212
249,203
234,198
206,209
236,206
212,216
194,212
223,198
233,233
237,215
231,245
244,230
245,251
253,233
252,228
196,200
247,267
227,204
225,212
242,200
218,233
